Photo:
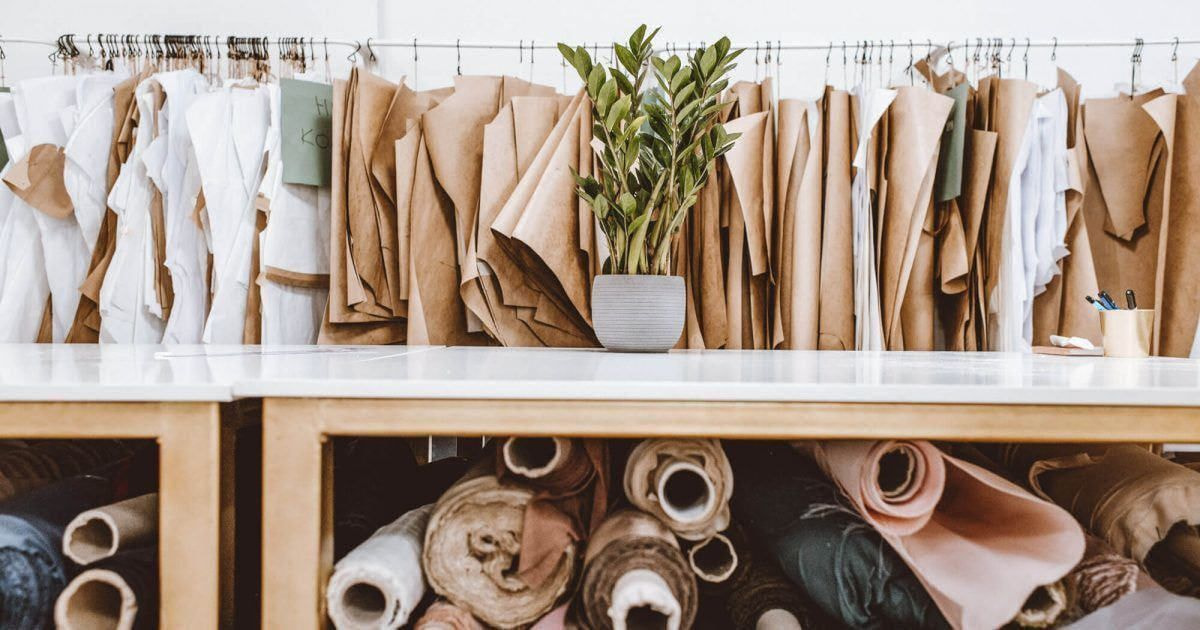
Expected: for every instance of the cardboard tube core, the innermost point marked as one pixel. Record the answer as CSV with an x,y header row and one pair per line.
x,y
713,560
96,600
899,475
641,600
93,540
365,605
686,493
535,457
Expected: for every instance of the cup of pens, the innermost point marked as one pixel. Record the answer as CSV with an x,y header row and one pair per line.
x,y
1126,331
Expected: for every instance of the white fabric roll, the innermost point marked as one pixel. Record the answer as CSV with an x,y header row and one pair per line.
x,y
380,582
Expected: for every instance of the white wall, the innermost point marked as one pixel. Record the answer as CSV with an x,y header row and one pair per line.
x,y
547,21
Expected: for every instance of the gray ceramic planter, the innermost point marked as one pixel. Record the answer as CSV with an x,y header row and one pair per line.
x,y
634,313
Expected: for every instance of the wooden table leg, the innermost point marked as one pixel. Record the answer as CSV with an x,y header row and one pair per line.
x,y
297,515
190,517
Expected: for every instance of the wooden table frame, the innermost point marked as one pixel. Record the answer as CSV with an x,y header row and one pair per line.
x,y
195,543
297,463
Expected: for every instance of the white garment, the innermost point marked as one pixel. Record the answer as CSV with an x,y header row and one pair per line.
x,y
229,128
87,149
41,104
868,321
296,239
1034,224
129,310
23,285
179,180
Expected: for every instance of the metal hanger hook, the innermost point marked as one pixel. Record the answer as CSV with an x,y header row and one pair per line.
x,y
458,54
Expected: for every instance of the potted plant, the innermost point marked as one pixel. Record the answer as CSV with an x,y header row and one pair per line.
x,y
656,143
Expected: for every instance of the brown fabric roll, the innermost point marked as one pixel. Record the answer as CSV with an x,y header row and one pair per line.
x,y
45,461
626,543
471,544
758,587
571,480
686,483
1126,495
443,615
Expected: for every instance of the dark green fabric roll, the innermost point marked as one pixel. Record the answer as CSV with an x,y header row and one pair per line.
x,y
822,544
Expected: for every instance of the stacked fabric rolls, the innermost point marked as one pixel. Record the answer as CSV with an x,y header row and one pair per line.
x,y
69,556
577,533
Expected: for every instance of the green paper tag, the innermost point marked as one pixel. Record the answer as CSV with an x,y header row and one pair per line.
x,y
307,111
950,160
3,147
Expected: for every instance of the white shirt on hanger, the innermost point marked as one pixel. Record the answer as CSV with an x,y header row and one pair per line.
x,y
40,105
87,149
128,296
229,129
23,285
179,181
868,321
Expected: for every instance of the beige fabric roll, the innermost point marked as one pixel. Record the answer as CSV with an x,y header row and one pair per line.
x,y
472,545
380,582
102,532
686,483
87,603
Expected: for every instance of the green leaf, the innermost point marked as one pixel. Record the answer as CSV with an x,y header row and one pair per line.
x,y
673,64
682,95
683,76
567,53
617,112
600,207
627,59
595,81
608,92
635,40
628,204
622,80
709,61
582,63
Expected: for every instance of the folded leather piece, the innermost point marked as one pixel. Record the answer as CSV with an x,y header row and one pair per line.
x,y
443,615
105,531
570,477
119,592
635,576
947,518
32,568
842,564
1126,495
380,583
472,543
684,482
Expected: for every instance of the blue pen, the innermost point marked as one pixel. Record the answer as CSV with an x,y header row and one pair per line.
x,y
1099,306
1108,301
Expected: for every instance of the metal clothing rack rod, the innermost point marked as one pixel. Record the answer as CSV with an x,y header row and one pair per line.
x,y
772,44
81,39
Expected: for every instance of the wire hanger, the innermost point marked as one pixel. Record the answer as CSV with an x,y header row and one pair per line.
x,y
1135,62
458,55
1026,58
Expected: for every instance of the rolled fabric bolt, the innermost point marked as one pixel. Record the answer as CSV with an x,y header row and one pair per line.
x,y
758,596
946,517
841,564
686,483
777,619
102,532
471,544
442,615
119,592
714,560
380,582
1044,607
43,462
32,568
635,576
1100,579
571,482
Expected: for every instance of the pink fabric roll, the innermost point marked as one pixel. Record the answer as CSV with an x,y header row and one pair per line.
x,y
978,543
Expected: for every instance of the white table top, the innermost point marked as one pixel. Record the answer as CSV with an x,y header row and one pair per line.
x,y
931,377
90,372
